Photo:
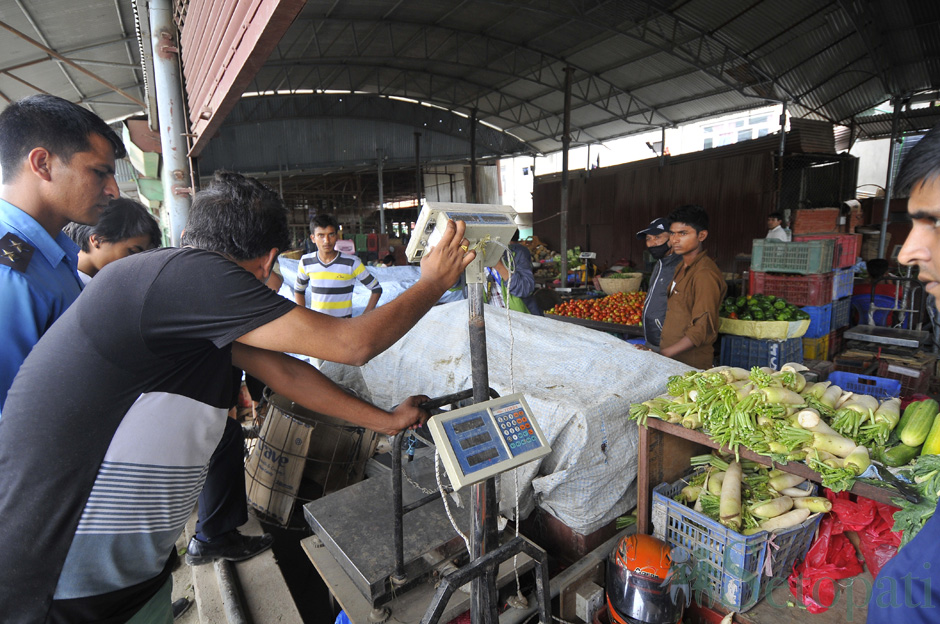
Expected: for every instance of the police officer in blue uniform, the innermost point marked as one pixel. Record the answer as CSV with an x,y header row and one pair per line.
x,y
58,166
908,587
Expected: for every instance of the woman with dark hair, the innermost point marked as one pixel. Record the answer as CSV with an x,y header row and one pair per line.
x,y
126,227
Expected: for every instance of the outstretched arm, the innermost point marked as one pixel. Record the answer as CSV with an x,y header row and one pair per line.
x,y
309,388
355,341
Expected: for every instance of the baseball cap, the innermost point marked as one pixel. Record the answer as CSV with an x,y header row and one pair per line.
x,y
657,227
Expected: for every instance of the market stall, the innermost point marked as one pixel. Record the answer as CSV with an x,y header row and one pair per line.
x,y
805,459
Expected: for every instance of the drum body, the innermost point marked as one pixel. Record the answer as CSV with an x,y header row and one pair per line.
x,y
295,443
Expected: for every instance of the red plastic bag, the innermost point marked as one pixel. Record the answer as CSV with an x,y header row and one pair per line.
x,y
830,558
872,521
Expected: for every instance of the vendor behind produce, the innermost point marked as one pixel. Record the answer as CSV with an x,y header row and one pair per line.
x,y
775,229
908,587
657,237
695,294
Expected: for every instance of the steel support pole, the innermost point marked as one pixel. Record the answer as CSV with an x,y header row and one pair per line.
x,y
889,185
483,505
418,169
662,148
381,159
783,144
473,156
565,143
170,109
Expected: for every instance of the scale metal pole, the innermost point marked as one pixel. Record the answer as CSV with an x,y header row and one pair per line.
x,y
483,504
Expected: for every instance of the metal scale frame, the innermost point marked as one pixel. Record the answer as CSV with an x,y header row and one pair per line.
x,y
364,526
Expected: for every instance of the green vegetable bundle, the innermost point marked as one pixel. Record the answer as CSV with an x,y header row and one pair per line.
x,y
748,497
779,415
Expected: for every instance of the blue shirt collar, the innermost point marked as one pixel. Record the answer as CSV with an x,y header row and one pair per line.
x,y
26,227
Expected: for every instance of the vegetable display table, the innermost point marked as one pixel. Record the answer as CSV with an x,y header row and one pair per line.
x,y
665,450
635,331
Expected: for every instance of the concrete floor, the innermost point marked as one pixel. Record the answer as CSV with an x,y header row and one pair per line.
x,y
266,596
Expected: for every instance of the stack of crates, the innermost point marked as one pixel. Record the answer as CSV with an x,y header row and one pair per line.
x,y
846,248
814,272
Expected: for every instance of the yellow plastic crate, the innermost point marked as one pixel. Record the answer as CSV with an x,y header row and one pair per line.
x,y
816,348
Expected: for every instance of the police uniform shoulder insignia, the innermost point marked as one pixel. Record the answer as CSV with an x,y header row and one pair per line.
x,y
15,252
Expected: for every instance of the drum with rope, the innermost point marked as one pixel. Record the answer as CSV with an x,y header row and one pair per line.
x,y
295,443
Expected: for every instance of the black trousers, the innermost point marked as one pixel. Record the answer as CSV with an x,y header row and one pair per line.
x,y
222,504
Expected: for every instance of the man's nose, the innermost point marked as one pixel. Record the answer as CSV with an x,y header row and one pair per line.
x,y
111,188
915,248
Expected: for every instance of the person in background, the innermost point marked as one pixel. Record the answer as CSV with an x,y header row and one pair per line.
x,y
695,294
522,284
775,228
329,273
658,244
125,227
907,588
58,166
115,413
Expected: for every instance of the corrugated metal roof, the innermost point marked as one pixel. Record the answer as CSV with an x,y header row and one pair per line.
x,y
636,62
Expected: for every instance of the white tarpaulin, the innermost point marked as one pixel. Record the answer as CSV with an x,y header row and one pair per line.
x,y
579,383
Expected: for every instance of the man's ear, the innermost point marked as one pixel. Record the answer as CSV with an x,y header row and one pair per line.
x,y
268,264
39,159
702,235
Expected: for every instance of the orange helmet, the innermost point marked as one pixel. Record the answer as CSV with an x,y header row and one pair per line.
x,y
638,583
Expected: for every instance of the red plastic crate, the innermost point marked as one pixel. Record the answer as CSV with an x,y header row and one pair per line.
x,y
912,380
815,220
845,250
800,290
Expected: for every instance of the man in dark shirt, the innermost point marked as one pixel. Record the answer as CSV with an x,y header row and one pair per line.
x,y
100,476
657,237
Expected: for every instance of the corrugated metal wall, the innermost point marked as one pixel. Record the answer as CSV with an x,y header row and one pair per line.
x,y
223,43
608,207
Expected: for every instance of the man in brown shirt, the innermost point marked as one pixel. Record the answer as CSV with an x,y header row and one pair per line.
x,y
696,292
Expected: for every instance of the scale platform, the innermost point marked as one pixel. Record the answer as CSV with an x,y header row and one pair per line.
x,y
356,524
887,335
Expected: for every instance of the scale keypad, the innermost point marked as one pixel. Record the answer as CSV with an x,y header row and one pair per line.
x,y
516,429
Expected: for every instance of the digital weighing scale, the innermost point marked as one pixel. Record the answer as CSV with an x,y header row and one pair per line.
x,y
486,439
389,540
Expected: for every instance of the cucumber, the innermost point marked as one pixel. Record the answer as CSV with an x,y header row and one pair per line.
x,y
919,423
900,455
932,443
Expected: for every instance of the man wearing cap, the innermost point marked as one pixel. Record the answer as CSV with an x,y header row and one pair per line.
x,y
654,309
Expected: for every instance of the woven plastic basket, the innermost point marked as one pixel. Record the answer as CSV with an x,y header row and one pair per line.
x,y
611,285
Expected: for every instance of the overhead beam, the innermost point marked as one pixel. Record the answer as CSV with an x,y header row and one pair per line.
x,y
70,63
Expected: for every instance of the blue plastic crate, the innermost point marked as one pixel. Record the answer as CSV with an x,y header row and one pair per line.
x,y
843,281
728,566
841,314
878,387
820,317
750,352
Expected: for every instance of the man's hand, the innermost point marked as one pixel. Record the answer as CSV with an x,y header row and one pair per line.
x,y
408,415
444,263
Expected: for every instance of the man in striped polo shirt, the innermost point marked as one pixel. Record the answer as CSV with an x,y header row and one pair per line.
x,y
330,273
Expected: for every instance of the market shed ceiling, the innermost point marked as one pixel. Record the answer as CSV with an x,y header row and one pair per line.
x,y
634,65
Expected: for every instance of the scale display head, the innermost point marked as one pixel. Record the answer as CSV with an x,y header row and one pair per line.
x,y
487,224
486,439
